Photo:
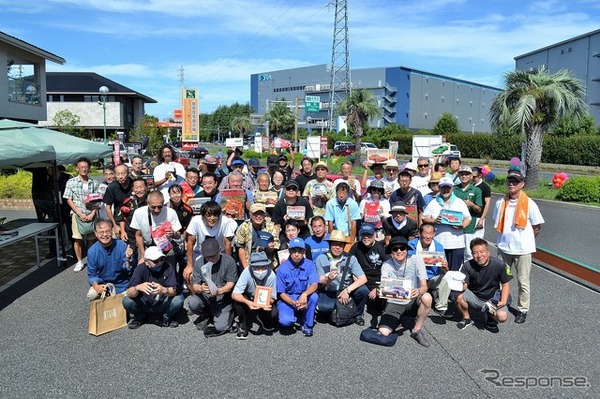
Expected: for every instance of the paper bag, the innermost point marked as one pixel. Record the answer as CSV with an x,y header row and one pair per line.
x,y
107,313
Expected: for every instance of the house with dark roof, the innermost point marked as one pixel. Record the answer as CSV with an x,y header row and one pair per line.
x,y
23,93
79,93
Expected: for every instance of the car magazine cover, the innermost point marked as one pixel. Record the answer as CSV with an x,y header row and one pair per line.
x,y
395,290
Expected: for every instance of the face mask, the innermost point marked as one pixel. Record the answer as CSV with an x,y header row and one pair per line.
x,y
155,269
260,275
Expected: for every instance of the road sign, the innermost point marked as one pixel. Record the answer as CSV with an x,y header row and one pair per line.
x,y
312,103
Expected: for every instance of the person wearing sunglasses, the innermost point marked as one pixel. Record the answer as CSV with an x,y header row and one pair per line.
x,y
421,179
418,305
292,206
147,219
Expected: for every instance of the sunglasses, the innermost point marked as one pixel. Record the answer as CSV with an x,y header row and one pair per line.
x,y
156,206
291,188
395,249
423,166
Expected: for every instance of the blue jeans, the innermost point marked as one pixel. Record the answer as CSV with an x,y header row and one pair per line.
x,y
168,308
327,300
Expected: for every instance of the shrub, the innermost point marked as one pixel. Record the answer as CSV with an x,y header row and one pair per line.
x,y
580,189
17,186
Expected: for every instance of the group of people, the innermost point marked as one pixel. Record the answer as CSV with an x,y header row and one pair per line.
x,y
307,249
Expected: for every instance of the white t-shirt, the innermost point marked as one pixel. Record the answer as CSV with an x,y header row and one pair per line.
x,y
421,183
159,174
515,241
140,221
355,186
225,227
448,236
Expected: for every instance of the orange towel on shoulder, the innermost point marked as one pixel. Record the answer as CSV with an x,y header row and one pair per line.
x,y
521,213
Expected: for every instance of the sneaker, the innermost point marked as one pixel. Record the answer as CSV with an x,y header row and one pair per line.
x,y
266,325
242,334
492,326
520,318
464,323
134,324
360,321
201,323
210,332
307,331
446,313
78,266
420,338
169,323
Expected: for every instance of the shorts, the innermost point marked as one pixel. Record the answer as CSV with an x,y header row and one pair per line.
x,y
477,303
76,234
394,311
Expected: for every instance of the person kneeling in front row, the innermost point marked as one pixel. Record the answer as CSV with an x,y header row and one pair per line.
x,y
153,291
259,274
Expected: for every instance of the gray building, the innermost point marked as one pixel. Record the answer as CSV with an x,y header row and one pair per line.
x,y
406,96
580,54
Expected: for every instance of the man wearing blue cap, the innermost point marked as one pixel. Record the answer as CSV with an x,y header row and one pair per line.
x,y
259,274
237,165
297,283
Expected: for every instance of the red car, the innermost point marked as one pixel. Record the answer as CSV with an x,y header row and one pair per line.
x,y
344,150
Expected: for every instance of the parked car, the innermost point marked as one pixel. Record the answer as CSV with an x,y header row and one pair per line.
x,y
182,157
198,152
338,144
343,150
367,146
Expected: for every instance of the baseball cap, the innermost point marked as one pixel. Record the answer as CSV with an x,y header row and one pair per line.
x,y
238,161
398,207
153,253
282,157
297,243
272,160
263,238
446,182
210,247
465,169
254,162
257,207
259,259
515,174
367,229
291,183
411,166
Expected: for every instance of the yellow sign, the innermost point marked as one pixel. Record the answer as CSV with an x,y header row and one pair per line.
x,y
190,130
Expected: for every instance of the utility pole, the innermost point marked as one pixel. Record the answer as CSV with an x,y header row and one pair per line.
x,y
340,64
296,122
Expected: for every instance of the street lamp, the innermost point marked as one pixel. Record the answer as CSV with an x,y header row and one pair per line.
x,y
103,92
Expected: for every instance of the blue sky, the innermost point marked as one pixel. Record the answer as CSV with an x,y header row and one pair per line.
x,y
220,43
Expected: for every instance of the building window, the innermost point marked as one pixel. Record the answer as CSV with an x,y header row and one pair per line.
x,y
23,80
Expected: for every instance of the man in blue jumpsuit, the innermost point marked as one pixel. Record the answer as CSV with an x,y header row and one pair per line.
x,y
297,283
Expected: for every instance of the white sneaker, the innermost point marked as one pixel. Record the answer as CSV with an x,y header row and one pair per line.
x,y
78,266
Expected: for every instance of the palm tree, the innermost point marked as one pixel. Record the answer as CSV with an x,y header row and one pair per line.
x,y
241,125
280,118
531,104
359,107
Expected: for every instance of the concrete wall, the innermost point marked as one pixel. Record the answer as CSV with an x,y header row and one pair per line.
x,y
90,114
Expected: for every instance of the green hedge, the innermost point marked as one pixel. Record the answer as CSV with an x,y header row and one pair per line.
x,y
17,186
580,189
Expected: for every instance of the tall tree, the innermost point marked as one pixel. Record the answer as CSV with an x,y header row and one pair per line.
x,y
446,124
146,127
532,103
280,118
359,107
241,125
67,122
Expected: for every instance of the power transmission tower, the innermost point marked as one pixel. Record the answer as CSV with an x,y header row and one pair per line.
x,y
340,64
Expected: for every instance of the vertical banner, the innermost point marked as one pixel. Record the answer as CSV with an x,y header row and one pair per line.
x,y
190,129
324,150
265,143
393,148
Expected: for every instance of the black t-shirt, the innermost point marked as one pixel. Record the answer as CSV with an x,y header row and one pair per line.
x,y
116,194
409,229
484,281
486,192
280,209
303,180
412,197
370,260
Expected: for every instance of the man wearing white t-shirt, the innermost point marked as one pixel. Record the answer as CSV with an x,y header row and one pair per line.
x,y
445,211
210,223
169,172
420,181
148,219
518,221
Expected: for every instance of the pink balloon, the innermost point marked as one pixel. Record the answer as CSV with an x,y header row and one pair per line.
x,y
515,161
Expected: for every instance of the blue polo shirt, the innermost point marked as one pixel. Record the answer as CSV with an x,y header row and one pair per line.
x,y
107,265
294,280
316,246
338,214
